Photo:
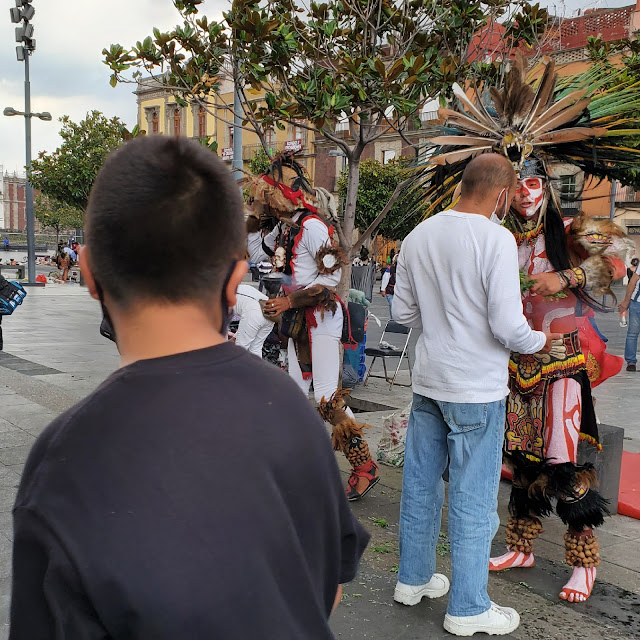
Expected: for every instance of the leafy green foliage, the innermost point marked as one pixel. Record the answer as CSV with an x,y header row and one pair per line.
x,y
377,184
373,64
57,215
67,174
260,162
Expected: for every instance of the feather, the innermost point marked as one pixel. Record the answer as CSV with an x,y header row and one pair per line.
x,y
456,156
463,141
517,96
573,97
559,136
464,122
470,107
562,118
544,94
498,103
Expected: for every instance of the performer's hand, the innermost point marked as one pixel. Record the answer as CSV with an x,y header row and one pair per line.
x,y
552,340
276,306
623,306
546,284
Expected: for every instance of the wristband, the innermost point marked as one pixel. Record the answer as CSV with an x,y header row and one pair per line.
x,y
572,278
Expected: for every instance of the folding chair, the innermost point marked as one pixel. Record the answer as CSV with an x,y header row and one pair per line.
x,y
385,350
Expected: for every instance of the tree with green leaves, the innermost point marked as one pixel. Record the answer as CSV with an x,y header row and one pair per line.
x,y
368,65
58,216
377,185
67,175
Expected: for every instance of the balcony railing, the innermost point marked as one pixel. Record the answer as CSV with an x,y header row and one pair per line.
x,y
626,194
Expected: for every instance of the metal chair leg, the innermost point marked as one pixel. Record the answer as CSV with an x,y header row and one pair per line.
x,y
366,378
386,375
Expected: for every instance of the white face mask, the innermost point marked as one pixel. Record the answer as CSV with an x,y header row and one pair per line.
x,y
494,216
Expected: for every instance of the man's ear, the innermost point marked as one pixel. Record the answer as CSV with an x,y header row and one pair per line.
x,y
83,261
239,272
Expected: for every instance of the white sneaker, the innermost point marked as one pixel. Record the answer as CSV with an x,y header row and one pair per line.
x,y
435,588
497,621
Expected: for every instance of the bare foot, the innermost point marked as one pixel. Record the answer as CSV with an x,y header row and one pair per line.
x,y
511,560
580,585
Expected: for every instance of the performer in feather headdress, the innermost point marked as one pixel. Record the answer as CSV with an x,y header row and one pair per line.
x,y
308,309
550,408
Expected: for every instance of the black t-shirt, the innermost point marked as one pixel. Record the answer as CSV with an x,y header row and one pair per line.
x,y
191,496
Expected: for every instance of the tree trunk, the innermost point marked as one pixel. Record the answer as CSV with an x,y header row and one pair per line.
x,y
349,224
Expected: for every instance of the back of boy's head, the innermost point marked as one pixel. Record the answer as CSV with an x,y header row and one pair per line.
x,y
164,222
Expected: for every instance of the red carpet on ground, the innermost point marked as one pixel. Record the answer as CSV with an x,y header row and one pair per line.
x,y
629,501
629,497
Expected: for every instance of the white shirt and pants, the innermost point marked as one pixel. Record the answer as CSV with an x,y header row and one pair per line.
x,y
254,328
325,337
457,280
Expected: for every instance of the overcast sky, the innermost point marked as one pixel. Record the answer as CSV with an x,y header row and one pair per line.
x,y
67,73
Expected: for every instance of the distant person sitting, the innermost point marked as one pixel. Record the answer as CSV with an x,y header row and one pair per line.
x,y
64,263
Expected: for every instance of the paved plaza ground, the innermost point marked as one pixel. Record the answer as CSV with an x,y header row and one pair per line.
x,y
54,356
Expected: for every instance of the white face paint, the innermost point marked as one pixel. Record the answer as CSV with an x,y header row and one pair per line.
x,y
529,197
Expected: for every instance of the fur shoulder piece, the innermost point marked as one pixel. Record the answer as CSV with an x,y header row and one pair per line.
x,y
607,248
329,259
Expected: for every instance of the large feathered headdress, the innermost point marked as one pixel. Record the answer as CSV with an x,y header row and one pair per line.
x,y
584,120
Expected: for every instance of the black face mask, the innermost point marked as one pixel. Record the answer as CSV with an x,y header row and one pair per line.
x,y
106,326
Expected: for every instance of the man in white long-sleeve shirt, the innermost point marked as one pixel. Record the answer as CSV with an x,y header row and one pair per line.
x,y
457,280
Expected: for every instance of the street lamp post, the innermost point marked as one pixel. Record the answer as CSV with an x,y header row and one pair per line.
x,y
22,14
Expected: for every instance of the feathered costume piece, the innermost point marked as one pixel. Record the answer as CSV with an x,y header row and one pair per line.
x,y
588,121
285,193
579,120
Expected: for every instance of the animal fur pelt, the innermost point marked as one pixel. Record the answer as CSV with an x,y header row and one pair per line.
x,y
586,513
345,428
329,259
314,296
253,224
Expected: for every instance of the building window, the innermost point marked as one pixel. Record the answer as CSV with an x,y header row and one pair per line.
x,y
388,155
155,123
230,134
202,122
568,194
177,122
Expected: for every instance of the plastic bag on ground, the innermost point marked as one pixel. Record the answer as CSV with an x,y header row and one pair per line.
x,y
394,435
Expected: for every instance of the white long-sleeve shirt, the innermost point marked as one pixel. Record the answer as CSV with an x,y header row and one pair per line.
x,y
457,280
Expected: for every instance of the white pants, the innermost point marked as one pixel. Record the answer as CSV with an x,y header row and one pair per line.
x,y
325,356
253,329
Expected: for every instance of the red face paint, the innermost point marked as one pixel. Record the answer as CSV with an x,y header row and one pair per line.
x,y
529,196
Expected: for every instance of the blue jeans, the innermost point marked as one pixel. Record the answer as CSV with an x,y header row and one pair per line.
x,y
631,345
471,437
389,298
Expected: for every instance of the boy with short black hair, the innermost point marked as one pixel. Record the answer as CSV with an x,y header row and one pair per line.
x,y
168,504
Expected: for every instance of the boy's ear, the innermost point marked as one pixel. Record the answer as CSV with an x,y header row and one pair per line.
x,y
238,273
83,261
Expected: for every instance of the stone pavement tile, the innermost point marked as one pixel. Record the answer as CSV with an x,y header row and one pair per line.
x,y
33,424
13,400
5,425
5,564
15,456
6,524
7,497
625,554
15,438
10,414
